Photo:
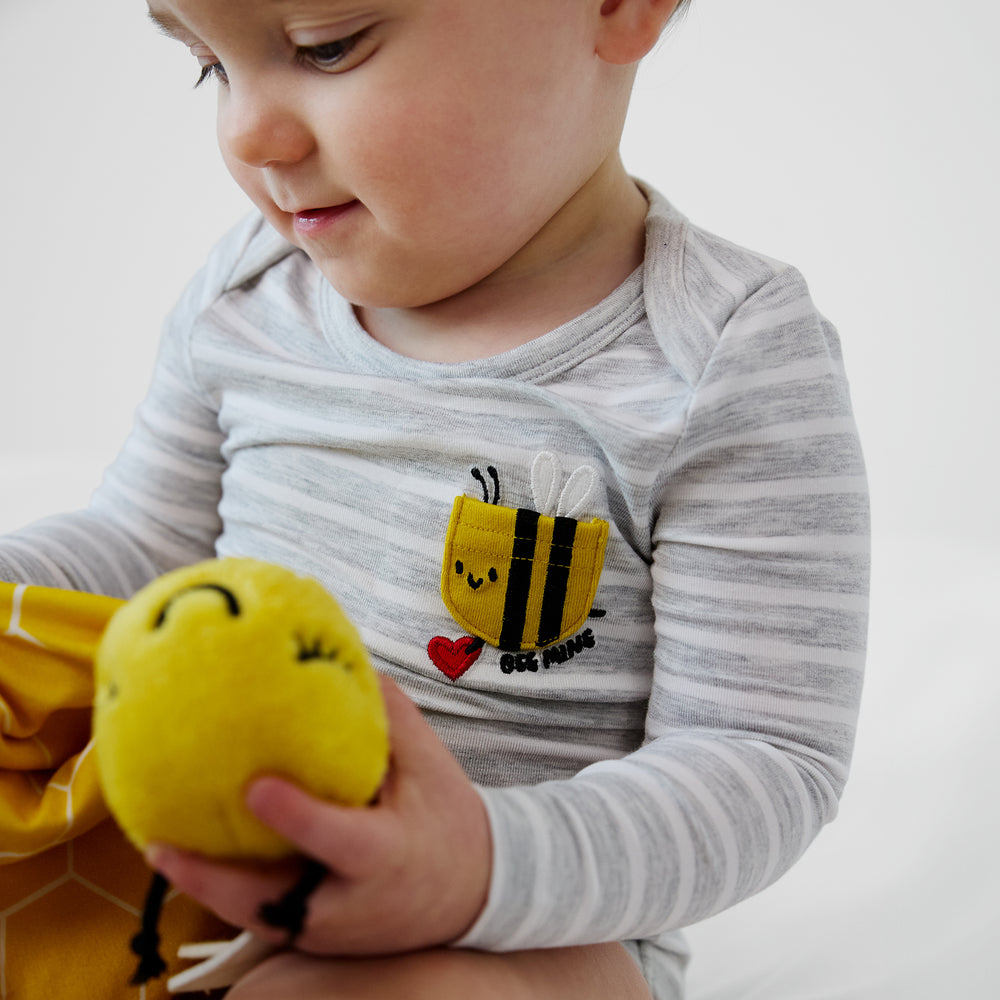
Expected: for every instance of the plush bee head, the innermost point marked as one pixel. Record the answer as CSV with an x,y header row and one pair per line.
x,y
219,672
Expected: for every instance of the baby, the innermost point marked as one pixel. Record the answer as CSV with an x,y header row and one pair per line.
x,y
585,476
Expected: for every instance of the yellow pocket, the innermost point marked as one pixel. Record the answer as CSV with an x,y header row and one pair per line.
x,y
519,579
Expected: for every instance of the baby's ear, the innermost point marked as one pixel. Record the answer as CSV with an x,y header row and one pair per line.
x,y
630,28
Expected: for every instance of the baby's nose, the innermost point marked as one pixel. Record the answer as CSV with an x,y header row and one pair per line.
x,y
261,125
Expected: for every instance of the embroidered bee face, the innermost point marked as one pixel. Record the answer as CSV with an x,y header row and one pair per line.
x,y
517,578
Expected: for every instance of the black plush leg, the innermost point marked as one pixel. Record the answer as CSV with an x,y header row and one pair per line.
x,y
146,944
289,912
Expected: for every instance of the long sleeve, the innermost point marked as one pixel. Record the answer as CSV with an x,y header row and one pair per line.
x,y
760,575
156,507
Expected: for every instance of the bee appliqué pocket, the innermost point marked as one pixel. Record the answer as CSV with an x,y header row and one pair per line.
x,y
520,579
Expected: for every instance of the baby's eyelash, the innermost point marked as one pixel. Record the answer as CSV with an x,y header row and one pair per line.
x,y
329,56
211,70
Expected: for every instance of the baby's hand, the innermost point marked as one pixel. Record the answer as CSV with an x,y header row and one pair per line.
x,y
408,872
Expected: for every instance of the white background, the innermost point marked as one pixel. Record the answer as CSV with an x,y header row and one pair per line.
x,y
857,141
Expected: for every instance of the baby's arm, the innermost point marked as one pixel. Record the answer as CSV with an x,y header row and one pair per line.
x,y
760,576
155,509
157,506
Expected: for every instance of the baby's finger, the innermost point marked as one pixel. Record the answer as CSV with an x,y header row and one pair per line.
x,y
353,841
234,892
407,727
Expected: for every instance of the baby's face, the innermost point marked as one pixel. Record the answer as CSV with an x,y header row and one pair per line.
x,y
410,147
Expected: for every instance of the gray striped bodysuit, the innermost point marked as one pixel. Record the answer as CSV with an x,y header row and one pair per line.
x,y
641,629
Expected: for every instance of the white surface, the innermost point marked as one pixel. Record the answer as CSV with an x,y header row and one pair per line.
x,y
900,896
109,166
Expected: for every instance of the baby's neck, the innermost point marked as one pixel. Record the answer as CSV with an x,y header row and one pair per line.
x,y
560,279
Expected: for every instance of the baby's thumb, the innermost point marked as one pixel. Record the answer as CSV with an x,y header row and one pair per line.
x,y
415,748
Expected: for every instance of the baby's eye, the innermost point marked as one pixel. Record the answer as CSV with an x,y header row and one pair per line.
x,y
210,70
340,55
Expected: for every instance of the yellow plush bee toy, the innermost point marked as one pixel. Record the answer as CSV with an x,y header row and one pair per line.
x,y
214,674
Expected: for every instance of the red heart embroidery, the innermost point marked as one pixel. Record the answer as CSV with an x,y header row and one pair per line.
x,y
453,658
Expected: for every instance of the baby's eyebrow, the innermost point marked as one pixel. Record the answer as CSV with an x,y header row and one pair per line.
x,y
174,27
167,23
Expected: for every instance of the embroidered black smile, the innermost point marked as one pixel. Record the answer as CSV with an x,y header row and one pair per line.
x,y
474,582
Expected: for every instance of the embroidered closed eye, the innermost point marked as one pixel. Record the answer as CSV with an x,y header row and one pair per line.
x,y
314,649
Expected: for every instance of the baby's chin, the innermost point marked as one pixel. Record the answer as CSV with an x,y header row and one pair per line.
x,y
371,287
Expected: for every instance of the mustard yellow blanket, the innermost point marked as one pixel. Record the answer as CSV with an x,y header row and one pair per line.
x,y
71,887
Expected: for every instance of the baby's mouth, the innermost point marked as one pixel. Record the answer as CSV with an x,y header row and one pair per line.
x,y
313,219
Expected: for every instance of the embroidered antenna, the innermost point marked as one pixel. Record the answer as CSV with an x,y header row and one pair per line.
x,y
478,476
